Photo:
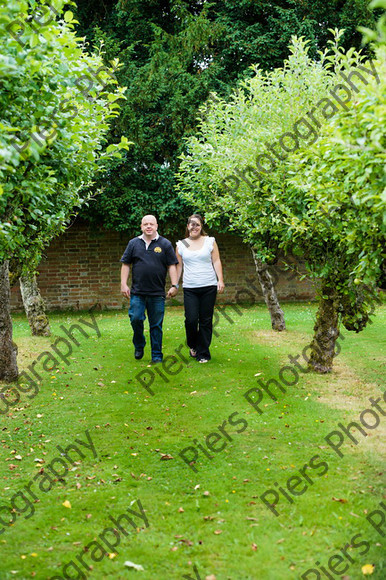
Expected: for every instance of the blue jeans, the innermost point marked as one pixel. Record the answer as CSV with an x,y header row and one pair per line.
x,y
155,306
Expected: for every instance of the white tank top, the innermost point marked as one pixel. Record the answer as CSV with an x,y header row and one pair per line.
x,y
198,266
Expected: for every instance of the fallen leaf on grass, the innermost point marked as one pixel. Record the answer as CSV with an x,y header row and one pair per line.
x,y
66,504
186,541
254,547
166,456
280,541
340,500
132,565
210,577
368,569
217,532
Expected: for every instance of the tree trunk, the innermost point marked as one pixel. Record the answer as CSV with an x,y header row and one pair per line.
x,y
8,349
325,331
15,269
269,293
34,305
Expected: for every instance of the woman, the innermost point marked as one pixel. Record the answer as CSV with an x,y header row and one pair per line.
x,y
203,278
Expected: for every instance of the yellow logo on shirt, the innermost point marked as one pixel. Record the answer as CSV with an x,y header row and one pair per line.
x,y
158,249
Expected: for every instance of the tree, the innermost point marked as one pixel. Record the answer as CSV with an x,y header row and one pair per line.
x,y
267,120
232,138
55,112
174,53
164,49
343,177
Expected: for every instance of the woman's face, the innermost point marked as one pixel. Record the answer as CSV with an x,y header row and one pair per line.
x,y
194,228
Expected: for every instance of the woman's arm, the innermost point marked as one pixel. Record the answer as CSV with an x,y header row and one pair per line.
x,y
217,268
179,265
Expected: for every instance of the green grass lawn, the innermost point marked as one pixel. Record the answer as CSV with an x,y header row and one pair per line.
x,y
210,517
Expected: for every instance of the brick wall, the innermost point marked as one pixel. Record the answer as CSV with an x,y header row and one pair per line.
x,y
81,268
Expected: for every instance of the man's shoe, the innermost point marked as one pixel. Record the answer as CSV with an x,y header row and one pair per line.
x,y
138,353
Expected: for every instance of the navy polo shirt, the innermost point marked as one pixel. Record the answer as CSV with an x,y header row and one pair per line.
x,y
149,266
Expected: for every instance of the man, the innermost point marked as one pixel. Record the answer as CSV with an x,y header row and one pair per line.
x,y
151,256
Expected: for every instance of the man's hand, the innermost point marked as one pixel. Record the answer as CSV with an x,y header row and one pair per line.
x,y
220,287
125,290
172,292
125,271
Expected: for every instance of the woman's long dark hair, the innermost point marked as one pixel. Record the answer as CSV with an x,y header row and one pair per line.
x,y
201,220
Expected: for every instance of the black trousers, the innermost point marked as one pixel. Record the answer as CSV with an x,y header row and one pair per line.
x,y
199,306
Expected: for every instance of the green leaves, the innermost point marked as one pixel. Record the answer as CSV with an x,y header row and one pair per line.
x,y
343,173
68,16
324,203
55,115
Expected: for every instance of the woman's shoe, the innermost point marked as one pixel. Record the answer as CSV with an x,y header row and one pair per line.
x,y
202,360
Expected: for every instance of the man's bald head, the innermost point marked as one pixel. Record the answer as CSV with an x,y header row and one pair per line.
x,y
147,218
149,227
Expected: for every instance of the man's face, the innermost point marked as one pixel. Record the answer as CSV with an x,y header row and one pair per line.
x,y
149,225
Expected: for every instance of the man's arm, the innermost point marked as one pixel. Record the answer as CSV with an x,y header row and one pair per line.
x,y
174,280
125,271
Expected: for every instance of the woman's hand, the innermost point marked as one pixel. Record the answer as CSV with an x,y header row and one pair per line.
x,y
220,287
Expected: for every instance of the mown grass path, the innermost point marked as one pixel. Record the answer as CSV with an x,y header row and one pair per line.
x,y
213,518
